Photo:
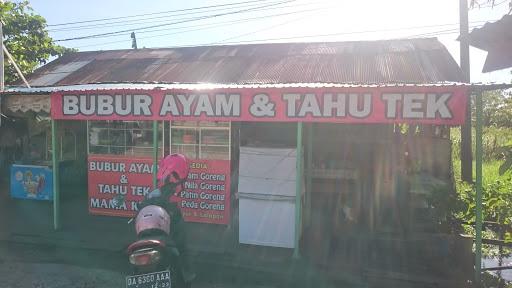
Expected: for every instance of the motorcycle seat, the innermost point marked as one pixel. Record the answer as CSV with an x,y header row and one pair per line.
x,y
145,243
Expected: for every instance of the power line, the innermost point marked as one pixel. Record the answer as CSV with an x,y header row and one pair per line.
x,y
155,13
168,24
441,32
205,27
85,27
151,20
256,31
338,34
237,20
304,36
431,34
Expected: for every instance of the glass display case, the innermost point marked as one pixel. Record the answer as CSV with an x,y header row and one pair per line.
x,y
201,140
197,140
130,138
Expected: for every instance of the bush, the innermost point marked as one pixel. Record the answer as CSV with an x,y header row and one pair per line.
x,y
493,139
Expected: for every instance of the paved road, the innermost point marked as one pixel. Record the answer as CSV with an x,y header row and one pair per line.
x,y
49,275
27,266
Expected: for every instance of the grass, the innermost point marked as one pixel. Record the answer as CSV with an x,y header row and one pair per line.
x,y
490,170
493,138
490,174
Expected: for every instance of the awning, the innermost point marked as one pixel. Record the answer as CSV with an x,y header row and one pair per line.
x,y
26,102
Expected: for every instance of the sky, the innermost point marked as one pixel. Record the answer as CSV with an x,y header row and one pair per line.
x,y
225,22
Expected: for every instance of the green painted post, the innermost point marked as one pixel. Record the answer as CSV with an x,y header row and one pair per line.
x,y
478,242
309,161
55,166
155,152
298,191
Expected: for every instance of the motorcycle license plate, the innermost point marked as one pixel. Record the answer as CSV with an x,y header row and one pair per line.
x,y
160,279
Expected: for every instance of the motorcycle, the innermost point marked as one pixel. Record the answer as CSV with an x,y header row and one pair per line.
x,y
154,258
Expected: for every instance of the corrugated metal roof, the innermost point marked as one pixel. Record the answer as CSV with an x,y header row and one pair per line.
x,y
492,33
388,61
496,38
210,86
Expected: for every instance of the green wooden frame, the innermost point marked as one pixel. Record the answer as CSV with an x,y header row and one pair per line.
x,y
479,220
56,188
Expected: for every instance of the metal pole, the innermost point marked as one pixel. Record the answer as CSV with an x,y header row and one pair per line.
x,y
2,75
464,44
55,165
465,145
155,151
478,242
15,66
298,191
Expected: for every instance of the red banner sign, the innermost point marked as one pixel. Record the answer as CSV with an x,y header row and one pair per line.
x,y
401,104
118,184
206,197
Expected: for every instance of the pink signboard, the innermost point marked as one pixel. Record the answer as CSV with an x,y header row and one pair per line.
x,y
117,184
402,104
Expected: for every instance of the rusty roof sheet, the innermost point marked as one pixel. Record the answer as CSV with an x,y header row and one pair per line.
x,y
496,38
492,34
423,60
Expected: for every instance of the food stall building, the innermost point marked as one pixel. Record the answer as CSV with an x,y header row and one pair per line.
x,y
337,153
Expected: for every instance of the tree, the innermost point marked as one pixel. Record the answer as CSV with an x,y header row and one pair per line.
x,y
497,109
26,38
487,3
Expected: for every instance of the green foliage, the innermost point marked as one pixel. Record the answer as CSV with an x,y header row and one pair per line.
x,y
26,38
497,195
507,156
497,207
494,138
492,280
497,201
497,109
497,133
497,156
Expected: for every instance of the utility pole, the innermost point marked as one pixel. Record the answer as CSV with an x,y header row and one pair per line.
x,y
466,159
134,41
2,76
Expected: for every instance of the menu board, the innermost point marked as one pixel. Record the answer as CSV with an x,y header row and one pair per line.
x,y
206,197
117,184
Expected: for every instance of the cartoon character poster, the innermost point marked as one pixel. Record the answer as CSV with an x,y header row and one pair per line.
x,y
31,182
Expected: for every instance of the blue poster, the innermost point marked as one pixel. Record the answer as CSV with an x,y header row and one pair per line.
x,y
31,182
